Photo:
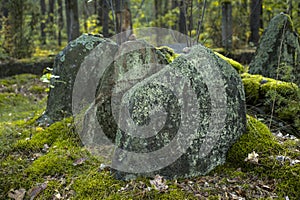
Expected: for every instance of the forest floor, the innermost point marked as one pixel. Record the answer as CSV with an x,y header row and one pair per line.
x,y
51,163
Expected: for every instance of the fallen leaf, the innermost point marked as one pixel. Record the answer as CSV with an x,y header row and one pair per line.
x,y
252,158
45,148
34,192
57,196
17,194
159,183
79,161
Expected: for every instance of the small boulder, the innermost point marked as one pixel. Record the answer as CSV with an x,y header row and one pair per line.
x,y
278,53
66,66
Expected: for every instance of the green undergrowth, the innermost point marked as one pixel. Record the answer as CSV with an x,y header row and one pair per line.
x,y
21,96
27,164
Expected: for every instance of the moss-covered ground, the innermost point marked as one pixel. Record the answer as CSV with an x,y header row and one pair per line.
x,y
51,163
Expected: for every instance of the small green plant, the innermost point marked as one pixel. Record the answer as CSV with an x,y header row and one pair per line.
x,y
47,77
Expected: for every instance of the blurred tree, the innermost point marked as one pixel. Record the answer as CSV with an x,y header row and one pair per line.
x,y
255,20
182,17
18,32
123,20
227,25
50,20
60,20
85,15
105,18
72,19
99,9
43,25
4,12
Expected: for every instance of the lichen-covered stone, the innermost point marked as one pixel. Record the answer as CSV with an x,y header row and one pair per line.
x,y
278,53
183,119
134,61
66,66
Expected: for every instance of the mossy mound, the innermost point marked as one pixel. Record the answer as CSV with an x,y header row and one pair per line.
x,y
257,87
258,138
273,100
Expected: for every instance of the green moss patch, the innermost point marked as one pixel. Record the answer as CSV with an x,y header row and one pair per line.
x,y
168,53
269,167
268,97
20,97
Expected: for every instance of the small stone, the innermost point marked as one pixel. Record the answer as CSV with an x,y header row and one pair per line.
x,y
279,43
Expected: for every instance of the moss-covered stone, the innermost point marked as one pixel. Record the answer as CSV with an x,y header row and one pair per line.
x,y
257,138
66,66
211,80
278,53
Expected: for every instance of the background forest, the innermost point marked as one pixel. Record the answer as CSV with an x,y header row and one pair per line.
x,y
49,161
40,28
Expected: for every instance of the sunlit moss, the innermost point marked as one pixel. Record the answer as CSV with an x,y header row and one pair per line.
x,y
256,87
168,52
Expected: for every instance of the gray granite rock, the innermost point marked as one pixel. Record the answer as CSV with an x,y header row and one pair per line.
x,y
134,61
278,53
181,120
66,66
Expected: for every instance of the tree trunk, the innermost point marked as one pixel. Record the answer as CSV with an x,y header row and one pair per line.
x,y
72,19
4,13
123,20
191,17
227,25
173,6
105,18
100,11
43,25
60,21
289,9
166,7
51,18
255,20
182,17
85,16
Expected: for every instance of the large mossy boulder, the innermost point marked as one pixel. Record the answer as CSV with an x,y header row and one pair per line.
x,y
180,121
65,69
278,53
